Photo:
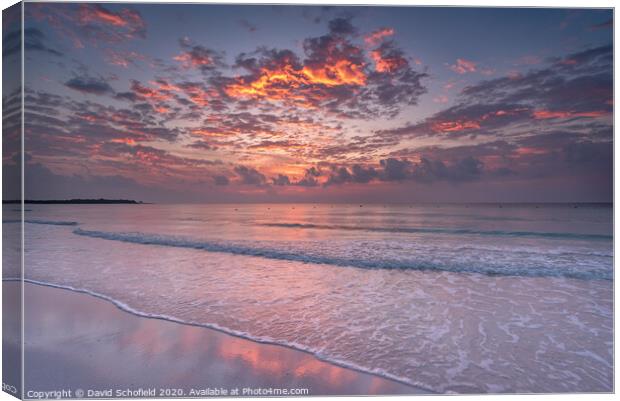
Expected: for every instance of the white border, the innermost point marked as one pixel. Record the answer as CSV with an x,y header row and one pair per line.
x,y
461,3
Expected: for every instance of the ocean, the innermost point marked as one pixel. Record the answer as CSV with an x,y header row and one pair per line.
x,y
446,297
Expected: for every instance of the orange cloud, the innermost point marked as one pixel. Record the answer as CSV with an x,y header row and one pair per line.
x,y
189,60
547,114
455,126
127,141
466,124
463,66
100,14
149,93
210,132
386,64
165,85
125,18
377,36
197,94
342,72
288,83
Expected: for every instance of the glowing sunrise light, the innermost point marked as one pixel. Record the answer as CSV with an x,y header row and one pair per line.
x,y
286,82
547,114
455,126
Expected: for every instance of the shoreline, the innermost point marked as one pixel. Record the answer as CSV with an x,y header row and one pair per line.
x,y
238,362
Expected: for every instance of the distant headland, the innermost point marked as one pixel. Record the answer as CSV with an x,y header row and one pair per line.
x,y
75,201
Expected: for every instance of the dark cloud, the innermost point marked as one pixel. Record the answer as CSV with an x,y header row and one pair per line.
x,y
341,26
579,82
395,170
425,171
339,175
93,86
578,86
202,145
467,169
221,180
250,176
34,40
199,57
308,181
281,179
310,178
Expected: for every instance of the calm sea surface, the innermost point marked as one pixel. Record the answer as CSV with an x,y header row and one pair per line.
x,y
464,298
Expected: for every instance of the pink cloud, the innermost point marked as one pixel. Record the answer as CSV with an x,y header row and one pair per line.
x,y
441,99
378,35
463,66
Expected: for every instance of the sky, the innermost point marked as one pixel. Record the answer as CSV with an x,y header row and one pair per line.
x,y
238,103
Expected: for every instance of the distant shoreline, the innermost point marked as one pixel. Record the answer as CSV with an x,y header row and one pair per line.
x,y
402,204
74,202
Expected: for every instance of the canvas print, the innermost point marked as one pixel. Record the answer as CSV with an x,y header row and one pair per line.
x,y
298,200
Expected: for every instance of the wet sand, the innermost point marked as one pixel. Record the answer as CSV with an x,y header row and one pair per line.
x,y
75,340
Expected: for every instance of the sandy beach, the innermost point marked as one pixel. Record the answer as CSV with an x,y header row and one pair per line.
x,y
77,341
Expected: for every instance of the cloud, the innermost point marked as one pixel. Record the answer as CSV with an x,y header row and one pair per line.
x,y
578,86
341,26
425,171
466,169
395,170
91,24
93,86
198,57
388,58
463,66
547,114
268,145
125,59
310,178
141,92
281,76
373,38
578,82
61,127
221,180
335,76
34,40
131,21
250,176
281,179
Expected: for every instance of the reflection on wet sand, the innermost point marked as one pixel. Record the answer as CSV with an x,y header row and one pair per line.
x,y
78,341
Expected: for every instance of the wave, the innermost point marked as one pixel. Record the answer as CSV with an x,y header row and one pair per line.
x,y
456,231
465,266
49,222
237,333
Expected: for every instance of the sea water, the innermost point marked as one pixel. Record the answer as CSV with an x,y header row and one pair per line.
x,y
450,298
